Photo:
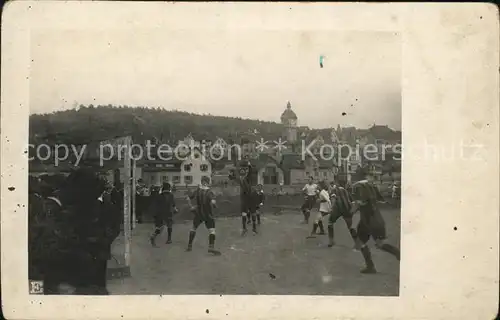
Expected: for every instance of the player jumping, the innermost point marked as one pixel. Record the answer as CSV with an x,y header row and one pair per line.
x,y
371,224
202,204
244,179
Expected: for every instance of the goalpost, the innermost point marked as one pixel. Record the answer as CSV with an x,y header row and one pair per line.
x,y
121,247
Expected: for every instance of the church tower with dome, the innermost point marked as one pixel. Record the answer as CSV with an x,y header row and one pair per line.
x,y
289,122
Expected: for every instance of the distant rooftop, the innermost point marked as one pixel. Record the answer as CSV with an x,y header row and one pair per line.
x,y
288,114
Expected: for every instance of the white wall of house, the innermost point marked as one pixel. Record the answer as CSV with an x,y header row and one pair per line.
x,y
193,169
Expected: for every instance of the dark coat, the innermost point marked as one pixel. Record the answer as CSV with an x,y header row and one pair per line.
x,y
162,205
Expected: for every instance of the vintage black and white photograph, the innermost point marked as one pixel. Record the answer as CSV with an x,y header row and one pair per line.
x,y
155,156
230,160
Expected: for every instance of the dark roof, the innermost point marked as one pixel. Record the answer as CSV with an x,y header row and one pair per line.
x,y
288,113
262,160
312,134
348,134
384,133
292,161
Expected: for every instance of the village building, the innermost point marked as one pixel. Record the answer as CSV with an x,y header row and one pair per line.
x,y
185,171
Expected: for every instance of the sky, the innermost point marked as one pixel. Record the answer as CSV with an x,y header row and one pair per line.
x,y
244,73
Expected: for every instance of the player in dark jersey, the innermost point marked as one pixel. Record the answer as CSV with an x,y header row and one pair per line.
x,y
163,207
244,180
202,203
257,203
371,223
341,207
254,201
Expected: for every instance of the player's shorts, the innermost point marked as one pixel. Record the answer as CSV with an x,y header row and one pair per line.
x,y
245,204
337,212
161,221
309,203
324,214
209,222
372,225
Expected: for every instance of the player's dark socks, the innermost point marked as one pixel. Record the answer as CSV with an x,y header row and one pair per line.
x,y
367,255
254,223
244,222
331,242
321,227
258,219
211,241
391,249
192,234
315,228
306,216
169,235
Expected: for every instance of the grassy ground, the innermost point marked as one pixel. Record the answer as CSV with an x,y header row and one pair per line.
x,y
278,260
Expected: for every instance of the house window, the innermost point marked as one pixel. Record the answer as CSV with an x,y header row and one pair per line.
x,y
324,174
165,178
206,177
177,179
188,179
204,167
153,179
187,167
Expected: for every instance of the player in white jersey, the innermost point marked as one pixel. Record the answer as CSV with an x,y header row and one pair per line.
x,y
325,206
311,191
